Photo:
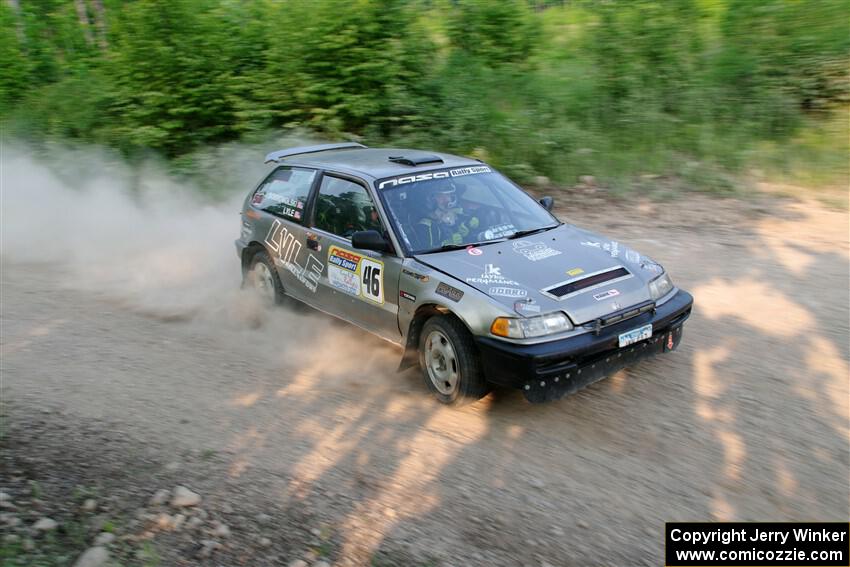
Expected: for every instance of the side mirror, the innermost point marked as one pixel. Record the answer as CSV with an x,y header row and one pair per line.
x,y
370,240
548,203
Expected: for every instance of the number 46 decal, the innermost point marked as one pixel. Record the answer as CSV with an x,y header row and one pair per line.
x,y
372,280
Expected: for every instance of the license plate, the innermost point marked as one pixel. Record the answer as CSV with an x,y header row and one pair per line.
x,y
636,335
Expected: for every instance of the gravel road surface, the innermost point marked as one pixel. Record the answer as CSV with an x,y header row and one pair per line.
x,y
304,442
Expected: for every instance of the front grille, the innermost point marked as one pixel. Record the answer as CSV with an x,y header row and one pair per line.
x,y
598,324
574,286
628,313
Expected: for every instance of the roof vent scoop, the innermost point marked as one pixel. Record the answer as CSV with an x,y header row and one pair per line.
x,y
416,160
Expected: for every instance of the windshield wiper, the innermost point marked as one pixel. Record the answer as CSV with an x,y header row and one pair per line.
x,y
447,247
521,233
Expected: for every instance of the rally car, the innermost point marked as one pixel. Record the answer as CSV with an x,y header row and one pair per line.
x,y
477,281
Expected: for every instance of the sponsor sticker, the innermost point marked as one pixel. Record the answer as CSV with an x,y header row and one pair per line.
x,y
356,274
474,251
406,295
449,292
499,231
534,251
281,199
469,170
343,258
290,212
492,276
404,179
285,251
309,274
575,272
508,292
614,249
414,275
606,294
344,281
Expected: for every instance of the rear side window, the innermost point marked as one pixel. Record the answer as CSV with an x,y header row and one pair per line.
x,y
344,207
285,192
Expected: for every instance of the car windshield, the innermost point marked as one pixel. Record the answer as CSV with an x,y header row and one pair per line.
x,y
458,207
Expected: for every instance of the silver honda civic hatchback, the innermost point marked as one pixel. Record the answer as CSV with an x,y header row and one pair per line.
x,y
477,281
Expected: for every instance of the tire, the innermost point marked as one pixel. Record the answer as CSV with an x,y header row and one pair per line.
x,y
449,362
262,277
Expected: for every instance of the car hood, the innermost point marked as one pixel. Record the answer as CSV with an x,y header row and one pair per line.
x,y
563,269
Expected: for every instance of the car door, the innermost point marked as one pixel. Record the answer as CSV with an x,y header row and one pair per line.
x,y
360,286
281,199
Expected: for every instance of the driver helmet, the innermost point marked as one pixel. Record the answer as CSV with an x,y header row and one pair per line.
x,y
444,188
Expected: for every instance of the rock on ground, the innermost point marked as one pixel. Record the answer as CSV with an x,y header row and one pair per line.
x,y
93,557
183,497
45,525
159,497
104,538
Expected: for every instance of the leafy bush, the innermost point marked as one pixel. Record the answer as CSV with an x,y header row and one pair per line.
x,y
613,89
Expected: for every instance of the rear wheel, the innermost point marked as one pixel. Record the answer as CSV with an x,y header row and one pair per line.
x,y
449,361
262,277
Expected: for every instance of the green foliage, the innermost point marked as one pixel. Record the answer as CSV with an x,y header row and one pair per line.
x,y
346,66
693,89
16,66
494,32
169,70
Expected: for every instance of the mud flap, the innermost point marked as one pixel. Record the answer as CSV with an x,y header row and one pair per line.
x,y
571,380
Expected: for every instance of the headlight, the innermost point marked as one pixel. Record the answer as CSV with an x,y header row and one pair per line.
x,y
660,286
539,326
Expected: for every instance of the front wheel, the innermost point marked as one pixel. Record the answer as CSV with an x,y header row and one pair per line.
x,y
449,362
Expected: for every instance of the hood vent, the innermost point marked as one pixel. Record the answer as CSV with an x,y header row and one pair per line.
x,y
571,287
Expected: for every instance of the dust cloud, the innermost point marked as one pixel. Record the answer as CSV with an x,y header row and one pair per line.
x,y
134,233
139,236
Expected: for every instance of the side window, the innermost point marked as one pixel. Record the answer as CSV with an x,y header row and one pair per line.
x,y
344,207
285,192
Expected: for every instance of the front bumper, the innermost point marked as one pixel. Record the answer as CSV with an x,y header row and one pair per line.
x,y
549,371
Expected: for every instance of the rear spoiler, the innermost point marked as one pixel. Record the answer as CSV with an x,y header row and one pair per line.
x,y
282,154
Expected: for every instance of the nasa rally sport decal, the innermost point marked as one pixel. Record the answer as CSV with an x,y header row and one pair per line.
x,y
443,174
356,275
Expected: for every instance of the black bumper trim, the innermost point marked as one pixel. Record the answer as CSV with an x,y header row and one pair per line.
x,y
548,371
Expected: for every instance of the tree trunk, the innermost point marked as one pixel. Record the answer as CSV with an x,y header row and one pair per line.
x,y
83,16
100,22
15,5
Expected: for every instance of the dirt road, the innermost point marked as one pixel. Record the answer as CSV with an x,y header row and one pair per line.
x,y
297,429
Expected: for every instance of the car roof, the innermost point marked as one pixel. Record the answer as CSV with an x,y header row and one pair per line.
x,y
375,162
